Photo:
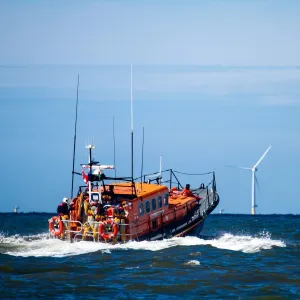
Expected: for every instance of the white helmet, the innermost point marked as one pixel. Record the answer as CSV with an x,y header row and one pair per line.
x,y
66,200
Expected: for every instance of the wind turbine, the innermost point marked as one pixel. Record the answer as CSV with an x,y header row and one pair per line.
x,y
254,179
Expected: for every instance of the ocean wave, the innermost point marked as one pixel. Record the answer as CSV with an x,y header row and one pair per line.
x,y
41,246
243,243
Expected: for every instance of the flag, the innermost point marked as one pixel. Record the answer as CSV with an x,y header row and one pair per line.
x,y
85,177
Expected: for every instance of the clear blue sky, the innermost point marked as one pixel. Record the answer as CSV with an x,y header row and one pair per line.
x,y
150,32
215,82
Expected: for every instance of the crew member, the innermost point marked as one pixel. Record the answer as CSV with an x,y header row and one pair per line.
x,y
63,207
100,209
186,192
109,196
120,210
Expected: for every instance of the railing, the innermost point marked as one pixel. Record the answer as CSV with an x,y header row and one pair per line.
x,y
94,225
173,179
208,194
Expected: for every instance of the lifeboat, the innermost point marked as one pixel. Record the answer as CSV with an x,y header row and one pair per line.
x,y
111,210
114,209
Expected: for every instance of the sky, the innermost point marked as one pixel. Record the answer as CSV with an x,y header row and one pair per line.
x,y
225,32
214,84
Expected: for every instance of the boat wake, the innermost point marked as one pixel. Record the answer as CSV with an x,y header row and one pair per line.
x,y
41,246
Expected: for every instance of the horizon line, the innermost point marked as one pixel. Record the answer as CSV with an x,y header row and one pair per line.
x,y
19,65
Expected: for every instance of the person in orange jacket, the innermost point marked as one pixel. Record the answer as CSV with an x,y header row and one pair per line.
x,y
188,193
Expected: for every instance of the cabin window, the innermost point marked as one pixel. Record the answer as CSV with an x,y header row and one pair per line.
x,y
166,199
159,202
153,201
141,209
147,205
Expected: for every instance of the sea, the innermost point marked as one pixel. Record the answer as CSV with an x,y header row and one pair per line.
x,y
236,257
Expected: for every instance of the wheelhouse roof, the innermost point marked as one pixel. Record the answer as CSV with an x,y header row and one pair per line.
x,y
142,189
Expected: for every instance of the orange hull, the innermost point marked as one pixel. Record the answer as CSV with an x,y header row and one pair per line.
x,y
155,212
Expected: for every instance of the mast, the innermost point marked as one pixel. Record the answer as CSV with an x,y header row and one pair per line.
x,y
114,146
131,126
74,147
160,169
142,161
90,147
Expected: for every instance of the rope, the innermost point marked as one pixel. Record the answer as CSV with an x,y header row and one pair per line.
x,y
193,174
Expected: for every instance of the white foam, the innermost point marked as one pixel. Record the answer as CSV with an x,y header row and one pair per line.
x,y
246,243
193,263
41,246
243,243
131,268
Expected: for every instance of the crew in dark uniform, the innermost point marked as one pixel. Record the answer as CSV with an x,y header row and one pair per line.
x,y
100,209
63,207
121,210
109,196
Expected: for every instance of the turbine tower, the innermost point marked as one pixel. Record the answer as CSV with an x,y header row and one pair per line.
x,y
254,179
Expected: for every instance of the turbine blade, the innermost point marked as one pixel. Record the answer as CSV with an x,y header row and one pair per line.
x,y
262,157
239,167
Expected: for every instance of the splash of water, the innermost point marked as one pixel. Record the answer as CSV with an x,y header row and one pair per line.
x,y
193,263
41,246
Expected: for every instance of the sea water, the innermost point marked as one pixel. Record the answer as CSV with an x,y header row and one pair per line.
x,y
236,256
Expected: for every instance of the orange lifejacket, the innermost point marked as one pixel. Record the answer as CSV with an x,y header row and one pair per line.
x,y
74,209
187,193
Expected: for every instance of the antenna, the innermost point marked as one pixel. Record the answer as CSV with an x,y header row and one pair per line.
x,y
90,147
131,98
74,147
160,169
131,125
142,160
114,146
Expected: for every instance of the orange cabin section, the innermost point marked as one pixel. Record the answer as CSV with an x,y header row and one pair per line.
x,y
154,207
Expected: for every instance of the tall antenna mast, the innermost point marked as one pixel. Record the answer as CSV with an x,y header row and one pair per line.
x,y
131,125
142,160
74,147
160,169
114,146
90,147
